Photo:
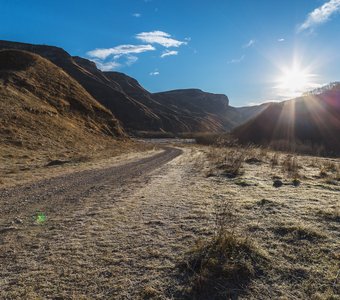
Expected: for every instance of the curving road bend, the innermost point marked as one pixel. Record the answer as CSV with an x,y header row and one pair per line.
x,y
49,194
88,230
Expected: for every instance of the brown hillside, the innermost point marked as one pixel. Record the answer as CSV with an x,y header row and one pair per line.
x,y
137,109
44,110
183,117
312,121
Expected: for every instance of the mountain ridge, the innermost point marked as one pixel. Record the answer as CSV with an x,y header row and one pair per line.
x,y
135,107
44,109
309,122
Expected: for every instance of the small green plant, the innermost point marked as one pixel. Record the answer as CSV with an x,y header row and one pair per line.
x,y
39,218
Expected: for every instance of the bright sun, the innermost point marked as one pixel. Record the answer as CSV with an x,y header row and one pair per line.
x,y
295,80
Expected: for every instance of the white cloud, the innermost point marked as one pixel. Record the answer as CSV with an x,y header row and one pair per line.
x,y
154,73
107,66
281,40
159,37
320,15
120,50
249,44
168,53
236,60
126,55
131,60
136,15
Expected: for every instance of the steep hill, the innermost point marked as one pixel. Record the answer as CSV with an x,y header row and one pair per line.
x,y
136,108
311,121
212,107
43,108
105,91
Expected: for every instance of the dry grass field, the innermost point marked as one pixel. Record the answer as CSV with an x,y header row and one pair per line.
x,y
19,164
213,223
278,226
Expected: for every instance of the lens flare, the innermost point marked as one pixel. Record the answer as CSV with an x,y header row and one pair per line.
x,y
295,80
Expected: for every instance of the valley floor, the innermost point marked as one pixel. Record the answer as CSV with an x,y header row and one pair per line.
x,y
126,229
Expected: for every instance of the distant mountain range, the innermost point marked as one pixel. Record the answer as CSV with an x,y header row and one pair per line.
x,y
46,92
137,109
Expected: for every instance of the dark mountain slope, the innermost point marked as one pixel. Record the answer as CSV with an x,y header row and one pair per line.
x,y
214,107
185,117
312,119
104,90
137,109
43,107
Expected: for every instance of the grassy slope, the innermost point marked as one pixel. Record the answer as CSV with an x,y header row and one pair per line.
x,y
310,121
45,115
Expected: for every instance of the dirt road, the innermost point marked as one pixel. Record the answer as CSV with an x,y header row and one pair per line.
x,y
47,195
70,251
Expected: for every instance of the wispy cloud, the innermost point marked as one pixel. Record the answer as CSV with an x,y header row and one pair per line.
x,y
114,58
159,37
249,44
154,73
120,50
130,60
236,60
126,55
168,53
136,15
281,40
320,15
107,66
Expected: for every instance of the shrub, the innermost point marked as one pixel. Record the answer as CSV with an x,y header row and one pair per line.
x,y
222,268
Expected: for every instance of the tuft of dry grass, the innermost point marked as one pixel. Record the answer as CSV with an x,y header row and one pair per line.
x,y
223,267
290,166
275,160
332,215
226,162
297,232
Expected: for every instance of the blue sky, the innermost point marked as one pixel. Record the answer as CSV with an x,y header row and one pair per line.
x,y
252,51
